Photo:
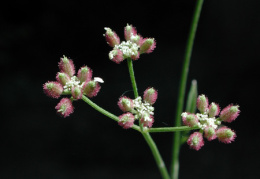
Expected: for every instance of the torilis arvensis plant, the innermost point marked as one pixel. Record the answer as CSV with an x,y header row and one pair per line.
x,y
138,113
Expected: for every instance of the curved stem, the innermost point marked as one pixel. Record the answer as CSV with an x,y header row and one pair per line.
x,y
180,102
132,76
106,113
172,129
156,155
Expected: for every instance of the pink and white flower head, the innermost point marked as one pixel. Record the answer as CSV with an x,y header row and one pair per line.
x,y
91,88
126,120
147,121
129,32
53,89
116,56
147,45
84,74
64,107
125,104
202,103
210,133
76,92
214,110
195,141
150,95
225,135
66,65
189,119
111,37
229,113
62,78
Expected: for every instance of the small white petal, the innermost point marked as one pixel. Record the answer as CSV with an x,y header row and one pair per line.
x,y
97,79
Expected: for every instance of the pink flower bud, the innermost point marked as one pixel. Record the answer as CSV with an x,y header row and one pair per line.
x,y
147,122
147,45
189,119
225,135
111,37
76,92
116,56
129,31
53,89
84,74
136,39
62,78
125,104
150,95
126,120
214,110
67,66
210,133
64,107
91,88
202,103
195,141
229,113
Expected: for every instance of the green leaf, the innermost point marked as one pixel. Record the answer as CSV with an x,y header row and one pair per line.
x,y
192,98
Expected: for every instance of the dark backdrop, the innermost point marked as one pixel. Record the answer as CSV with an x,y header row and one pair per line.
x,y
35,143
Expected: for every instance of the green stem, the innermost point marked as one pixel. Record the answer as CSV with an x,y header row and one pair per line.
x,y
156,155
172,129
132,76
180,102
106,113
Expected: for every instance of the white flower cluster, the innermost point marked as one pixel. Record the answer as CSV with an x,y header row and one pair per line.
x,y
143,110
129,48
74,82
204,120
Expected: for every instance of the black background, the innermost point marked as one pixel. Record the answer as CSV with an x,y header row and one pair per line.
x,y
37,143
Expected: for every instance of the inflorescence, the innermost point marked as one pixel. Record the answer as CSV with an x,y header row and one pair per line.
x,y
136,109
209,123
68,83
133,47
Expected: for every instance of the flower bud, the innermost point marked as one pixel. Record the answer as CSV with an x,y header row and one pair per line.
x,y
126,120
225,135
135,56
189,119
125,104
67,66
111,37
136,39
116,56
84,74
62,78
213,110
76,92
91,88
210,133
202,103
229,113
195,141
150,95
147,120
129,32
147,45
53,89
64,107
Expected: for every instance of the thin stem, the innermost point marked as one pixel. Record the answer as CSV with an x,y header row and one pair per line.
x,y
172,129
156,155
183,81
106,113
132,76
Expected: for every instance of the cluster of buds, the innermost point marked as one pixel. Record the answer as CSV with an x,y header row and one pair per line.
x,y
136,109
209,123
68,83
133,47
